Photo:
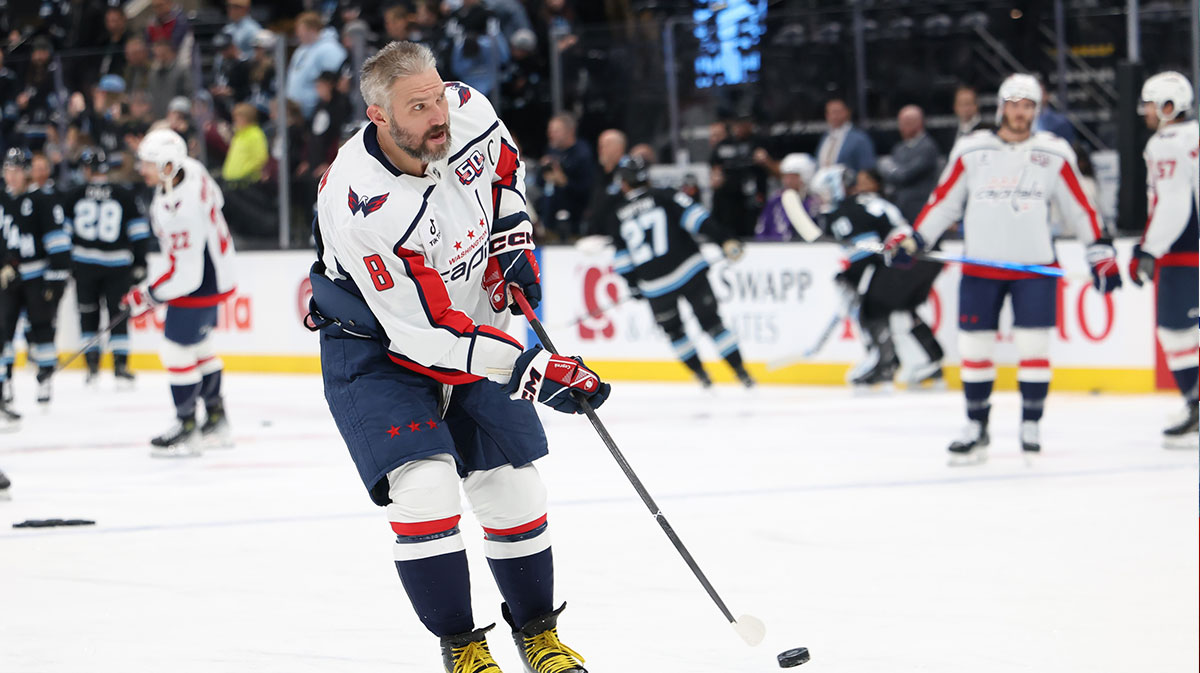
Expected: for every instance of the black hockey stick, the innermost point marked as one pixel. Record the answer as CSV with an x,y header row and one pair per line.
x,y
112,324
751,629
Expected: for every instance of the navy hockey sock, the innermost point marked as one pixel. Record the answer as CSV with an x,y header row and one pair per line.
x,y
523,565
1187,380
185,399
1033,399
210,389
438,585
978,393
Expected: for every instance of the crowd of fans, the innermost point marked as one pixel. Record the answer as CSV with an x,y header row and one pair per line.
x,y
78,74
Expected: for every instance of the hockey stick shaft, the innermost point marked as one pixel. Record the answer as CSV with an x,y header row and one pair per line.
x,y
94,341
540,331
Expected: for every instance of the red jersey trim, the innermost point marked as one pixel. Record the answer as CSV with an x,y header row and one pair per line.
x,y
1180,259
941,192
1068,176
200,302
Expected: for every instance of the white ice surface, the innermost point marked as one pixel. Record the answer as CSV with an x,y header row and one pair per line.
x,y
831,517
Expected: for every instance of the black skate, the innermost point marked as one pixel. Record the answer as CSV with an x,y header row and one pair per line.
x,y
744,377
43,384
541,651
880,372
181,441
468,652
1031,443
5,484
1185,433
121,373
971,448
215,433
92,378
702,378
10,421
6,388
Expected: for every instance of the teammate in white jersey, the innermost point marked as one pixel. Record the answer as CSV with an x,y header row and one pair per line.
x,y
1001,185
194,275
421,227
1172,237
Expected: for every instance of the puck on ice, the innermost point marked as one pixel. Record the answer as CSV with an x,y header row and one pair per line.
x,y
793,657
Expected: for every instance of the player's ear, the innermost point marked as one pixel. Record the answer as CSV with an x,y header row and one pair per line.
x,y
376,115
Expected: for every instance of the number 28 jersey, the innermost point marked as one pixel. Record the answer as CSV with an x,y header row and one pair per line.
x,y
107,225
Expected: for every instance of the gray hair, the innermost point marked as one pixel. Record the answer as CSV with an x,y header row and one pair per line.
x,y
396,60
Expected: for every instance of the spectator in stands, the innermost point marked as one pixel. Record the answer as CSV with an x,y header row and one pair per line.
x,y
112,45
9,112
477,53
41,173
168,78
168,23
325,129
966,109
104,120
911,171
524,97
842,143
38,99
511,15
230,76
566,178
742,189
242,28
248,149
427,26
610,147
319,51
1053,121
137,64
396,23
262,70
795,172
645,152
179,119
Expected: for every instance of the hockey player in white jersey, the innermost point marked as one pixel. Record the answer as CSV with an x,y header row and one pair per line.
x,y
421,227
1001,185
1172,238
193,276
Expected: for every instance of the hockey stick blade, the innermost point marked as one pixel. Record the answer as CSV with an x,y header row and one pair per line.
x,y
751,629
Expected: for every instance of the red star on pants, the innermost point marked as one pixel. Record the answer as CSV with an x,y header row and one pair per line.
x,y
470,234
431,423
393,431
413,427
458,245
482,223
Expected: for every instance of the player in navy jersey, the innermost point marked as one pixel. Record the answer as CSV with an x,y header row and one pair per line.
x,y
109,236
421,227
654,233
40,249
1170,241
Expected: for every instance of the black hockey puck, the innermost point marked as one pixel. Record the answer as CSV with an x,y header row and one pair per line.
x,y
793,657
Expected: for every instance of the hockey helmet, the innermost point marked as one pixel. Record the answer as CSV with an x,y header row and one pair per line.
x,y
16,157
161,147
94,159
800,164
1019,87
830,186
1168,87
632,170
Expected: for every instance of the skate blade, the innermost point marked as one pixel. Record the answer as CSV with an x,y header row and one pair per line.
x,y
7,427
1031,458
872,389
217,441
175,452
5,495
123,385
1182,442
976,457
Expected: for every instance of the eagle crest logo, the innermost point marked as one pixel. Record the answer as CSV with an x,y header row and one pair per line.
x,y
366,204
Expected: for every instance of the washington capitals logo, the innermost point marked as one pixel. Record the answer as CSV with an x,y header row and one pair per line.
x,y
367,204
464,94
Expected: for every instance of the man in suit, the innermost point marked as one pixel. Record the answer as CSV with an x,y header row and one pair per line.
x,y
842,143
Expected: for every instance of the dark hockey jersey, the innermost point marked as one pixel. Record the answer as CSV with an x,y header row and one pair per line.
x,y
861,223
33,228
107,225
653,231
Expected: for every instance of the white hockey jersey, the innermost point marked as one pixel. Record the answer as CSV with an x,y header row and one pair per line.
x,y
1002,192
1173,184
416,248
196,267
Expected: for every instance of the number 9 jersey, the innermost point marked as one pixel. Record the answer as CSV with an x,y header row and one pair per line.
x,y
196,267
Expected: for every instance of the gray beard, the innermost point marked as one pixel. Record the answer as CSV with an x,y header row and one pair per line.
x,y
421,151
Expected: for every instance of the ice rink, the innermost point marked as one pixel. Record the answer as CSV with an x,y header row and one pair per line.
x,y
832,517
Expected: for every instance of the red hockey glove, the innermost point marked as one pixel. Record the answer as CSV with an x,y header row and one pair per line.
x,y
1106,275
539,376
138,300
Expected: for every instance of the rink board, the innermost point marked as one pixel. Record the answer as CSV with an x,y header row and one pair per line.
x,y
777,299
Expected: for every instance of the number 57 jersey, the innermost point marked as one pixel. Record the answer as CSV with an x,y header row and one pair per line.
x,y
196,269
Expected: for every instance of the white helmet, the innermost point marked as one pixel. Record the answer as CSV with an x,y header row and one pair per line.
x,y
1019,87
163,146
829,185
800,164
1168,87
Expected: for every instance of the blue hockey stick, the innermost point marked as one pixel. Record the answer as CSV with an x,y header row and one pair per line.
x,y
1040,269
